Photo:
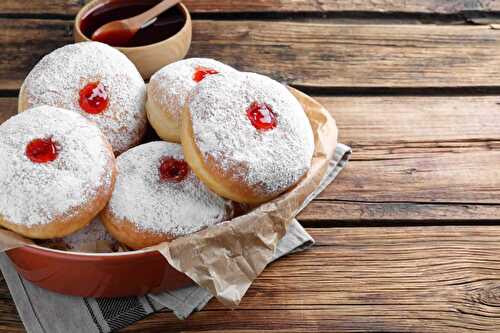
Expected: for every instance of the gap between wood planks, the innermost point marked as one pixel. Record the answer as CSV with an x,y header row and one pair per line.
x,y
368,91
347,17
283,6
421,11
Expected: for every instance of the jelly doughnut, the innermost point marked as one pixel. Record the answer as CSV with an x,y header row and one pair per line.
x,y
158,198
57,171
96,81
168,89
246,136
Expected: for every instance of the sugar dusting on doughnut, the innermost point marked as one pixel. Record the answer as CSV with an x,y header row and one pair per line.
x,y
94,238
169,207
92,233
272,159
36,193
60,76
170,86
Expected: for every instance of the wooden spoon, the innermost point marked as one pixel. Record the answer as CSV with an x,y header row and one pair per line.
x,y
120,32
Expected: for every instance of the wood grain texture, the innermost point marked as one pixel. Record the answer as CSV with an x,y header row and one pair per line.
x,y
408,126
401,126
60,7
24,43
8,108
342,212
327,55
369,279
306,54
468,177
70,7
418,150
415,159
441,278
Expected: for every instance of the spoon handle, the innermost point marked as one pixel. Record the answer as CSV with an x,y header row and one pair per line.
x,y
153,12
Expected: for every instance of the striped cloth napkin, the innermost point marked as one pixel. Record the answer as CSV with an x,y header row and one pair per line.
x,y
43,311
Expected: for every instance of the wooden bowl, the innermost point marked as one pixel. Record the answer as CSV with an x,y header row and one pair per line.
x,y
149,58
97,275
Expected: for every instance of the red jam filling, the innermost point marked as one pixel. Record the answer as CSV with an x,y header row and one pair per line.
x,y
173,170
41,150
93,98
261,116
201,72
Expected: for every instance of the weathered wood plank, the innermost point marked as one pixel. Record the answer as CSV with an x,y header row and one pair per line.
x,y
468,177
415,159
8,108
369,279
61,7
418,149
443,278
401,126
70,7
327,55
312,54
330,212
24,43
408,126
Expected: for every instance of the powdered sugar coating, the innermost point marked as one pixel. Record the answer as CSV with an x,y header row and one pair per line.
x,y
269,161
93,232
174,208
37,193
58,78
170,86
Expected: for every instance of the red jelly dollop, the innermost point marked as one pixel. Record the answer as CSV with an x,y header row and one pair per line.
x,y
261,116
41,150
173,170
201,72
93,98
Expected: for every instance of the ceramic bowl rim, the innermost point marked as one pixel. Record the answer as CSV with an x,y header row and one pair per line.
x,y
94,3
45,251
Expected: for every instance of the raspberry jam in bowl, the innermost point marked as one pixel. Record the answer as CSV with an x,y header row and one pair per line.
x,y
165,40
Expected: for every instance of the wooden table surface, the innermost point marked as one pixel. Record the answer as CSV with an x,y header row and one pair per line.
x,y
408,236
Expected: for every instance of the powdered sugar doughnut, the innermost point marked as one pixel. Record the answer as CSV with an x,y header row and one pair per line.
x,y
98,82
246,137
158,198
168,89
57,172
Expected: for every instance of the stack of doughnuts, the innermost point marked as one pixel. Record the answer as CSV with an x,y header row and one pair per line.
x,y
229,139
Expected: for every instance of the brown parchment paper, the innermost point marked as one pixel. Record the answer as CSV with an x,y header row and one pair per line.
x,y
225,259
10,240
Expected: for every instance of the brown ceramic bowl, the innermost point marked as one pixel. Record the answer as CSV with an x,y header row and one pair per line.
x,y
97,275
149,58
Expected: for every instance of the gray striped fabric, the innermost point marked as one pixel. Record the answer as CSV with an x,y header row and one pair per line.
x,y
43,311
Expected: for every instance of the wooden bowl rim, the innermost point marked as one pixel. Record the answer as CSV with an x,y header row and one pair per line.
x,y
94,3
